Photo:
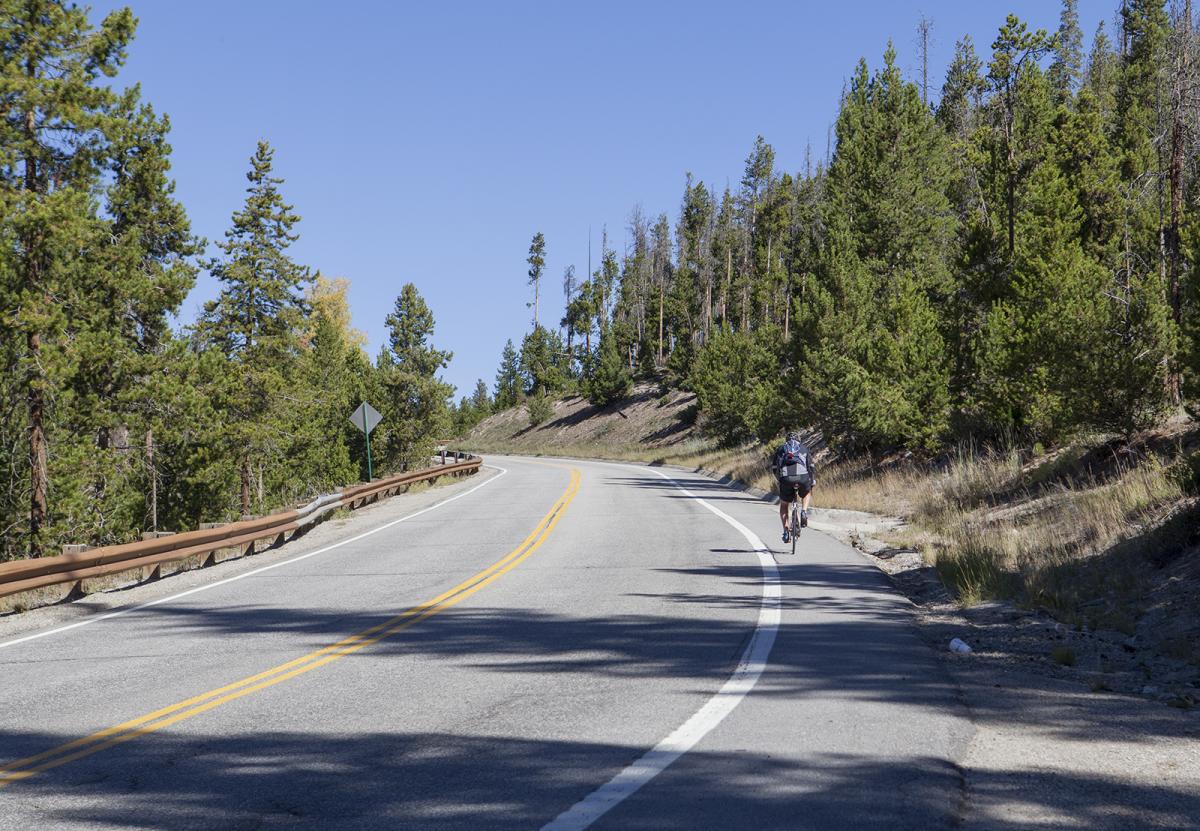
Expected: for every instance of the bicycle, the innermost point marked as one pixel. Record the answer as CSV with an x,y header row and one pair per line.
x,y
796,501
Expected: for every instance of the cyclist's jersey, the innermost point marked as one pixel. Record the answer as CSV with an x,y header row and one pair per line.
x,y
793,462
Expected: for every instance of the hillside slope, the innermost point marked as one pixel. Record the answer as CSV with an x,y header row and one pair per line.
x,y
648,421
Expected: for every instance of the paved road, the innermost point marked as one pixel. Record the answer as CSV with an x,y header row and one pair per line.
x,y
525,643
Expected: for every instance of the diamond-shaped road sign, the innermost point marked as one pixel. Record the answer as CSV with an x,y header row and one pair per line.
x,y
365,418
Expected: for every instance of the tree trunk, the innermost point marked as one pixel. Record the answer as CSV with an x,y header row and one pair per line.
x,y
246,477
35,382
728,283
660,322
153,480
38,473
707,308
1180,89
787,309
1010,180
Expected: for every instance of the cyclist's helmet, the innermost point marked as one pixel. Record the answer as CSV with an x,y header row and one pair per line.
x,y
793,435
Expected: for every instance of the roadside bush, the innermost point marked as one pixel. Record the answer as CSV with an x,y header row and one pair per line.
x,y
608,379
1186,472
540,409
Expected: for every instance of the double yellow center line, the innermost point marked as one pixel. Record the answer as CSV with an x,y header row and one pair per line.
x,y
157,720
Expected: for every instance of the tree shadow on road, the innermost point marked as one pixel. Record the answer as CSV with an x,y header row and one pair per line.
x,y
401,779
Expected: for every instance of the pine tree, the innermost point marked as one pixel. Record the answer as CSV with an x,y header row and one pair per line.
x,y
1066,68
736,376
1018,132
537,265
61,133
257,319
1100,76
962,91
1042,337
1142,122
508,379
609,379
138,278
193,476
693,262
661,273
415,412
543,362
873,361
480,400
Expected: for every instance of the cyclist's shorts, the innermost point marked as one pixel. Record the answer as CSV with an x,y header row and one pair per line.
x,y
785,488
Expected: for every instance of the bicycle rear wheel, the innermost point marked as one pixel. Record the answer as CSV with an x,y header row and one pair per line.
x,y
795,520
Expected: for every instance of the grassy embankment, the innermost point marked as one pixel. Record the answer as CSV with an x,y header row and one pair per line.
x,y
1091,532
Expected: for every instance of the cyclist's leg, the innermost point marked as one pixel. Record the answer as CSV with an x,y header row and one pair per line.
x,y
785,497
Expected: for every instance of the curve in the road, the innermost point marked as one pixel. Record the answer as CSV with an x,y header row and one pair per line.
x,y
135,728
750,667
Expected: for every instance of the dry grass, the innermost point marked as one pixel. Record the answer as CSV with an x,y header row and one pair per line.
x,y
1044,531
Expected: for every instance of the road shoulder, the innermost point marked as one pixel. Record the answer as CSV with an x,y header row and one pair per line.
x,y
1048,750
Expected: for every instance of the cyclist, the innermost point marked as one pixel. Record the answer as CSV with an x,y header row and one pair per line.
x,y
794,471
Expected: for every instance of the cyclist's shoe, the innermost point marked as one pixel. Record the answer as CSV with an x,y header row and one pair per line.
x,y
804,519
786,536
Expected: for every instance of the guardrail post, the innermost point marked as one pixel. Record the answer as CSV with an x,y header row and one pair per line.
x,y
218,555
156,572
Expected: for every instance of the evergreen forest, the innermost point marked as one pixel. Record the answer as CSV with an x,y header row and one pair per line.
x,y
1010,260
115,420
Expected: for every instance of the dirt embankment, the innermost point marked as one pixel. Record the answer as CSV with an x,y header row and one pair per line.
x,y
649,421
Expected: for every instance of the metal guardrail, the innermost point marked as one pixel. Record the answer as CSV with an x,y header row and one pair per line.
x,y
28,575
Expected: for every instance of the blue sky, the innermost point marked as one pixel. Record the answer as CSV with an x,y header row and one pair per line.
x,y
426,143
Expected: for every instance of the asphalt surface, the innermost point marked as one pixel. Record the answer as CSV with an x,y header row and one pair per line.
x,y
620,611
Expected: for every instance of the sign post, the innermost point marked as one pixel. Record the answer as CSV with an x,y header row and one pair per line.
x,y
366,418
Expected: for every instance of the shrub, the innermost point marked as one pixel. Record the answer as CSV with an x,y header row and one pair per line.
x,y
1063,655
540,409
608,379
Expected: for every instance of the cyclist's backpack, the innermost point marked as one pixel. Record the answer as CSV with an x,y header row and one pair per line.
x,y
793,464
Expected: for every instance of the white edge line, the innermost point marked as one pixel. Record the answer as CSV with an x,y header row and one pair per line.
x,y
750,667
207,586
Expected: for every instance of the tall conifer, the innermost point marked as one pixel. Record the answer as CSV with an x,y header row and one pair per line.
x,y
257,319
